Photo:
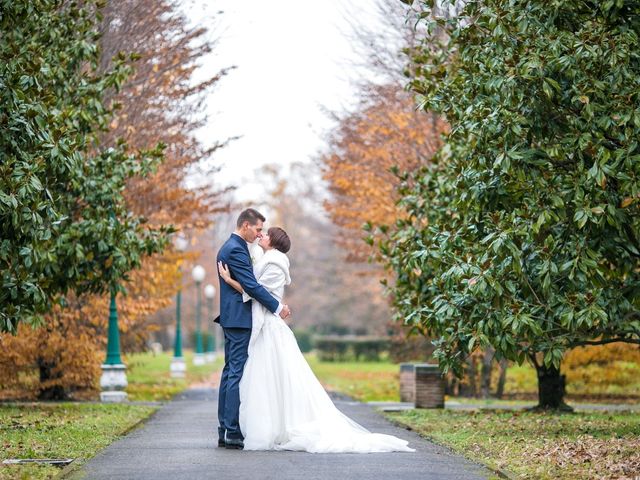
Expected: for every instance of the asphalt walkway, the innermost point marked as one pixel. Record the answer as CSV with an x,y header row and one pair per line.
x,y
179,442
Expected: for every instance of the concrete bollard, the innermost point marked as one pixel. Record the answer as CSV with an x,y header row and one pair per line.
x,y
407,382
429,386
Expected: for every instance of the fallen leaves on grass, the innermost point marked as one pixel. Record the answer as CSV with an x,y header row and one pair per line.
x,y
612,458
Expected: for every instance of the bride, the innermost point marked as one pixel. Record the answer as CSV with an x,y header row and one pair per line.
x,y
282,404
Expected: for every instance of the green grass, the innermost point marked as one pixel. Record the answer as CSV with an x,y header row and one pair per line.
x,y
521,380
537,445
149,376
491,402
364,381
76,430
379,381
63,430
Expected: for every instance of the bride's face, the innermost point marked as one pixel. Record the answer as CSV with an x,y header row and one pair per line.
x,y
264,242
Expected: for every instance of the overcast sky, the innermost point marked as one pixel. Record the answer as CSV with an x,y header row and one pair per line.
x,y
293,59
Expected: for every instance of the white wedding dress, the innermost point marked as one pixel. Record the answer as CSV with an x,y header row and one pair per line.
x,y
282,404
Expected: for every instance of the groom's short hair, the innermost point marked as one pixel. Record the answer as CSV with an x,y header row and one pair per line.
x,y
249,215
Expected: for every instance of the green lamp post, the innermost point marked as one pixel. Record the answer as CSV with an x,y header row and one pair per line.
x,y
210,293
114,378
178,366
198,274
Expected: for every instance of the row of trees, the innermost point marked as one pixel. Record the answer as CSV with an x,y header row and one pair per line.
x,y
519,237
99,108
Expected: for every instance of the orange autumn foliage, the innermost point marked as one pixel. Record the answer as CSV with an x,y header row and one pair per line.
x,y
602,366
384,132
62,359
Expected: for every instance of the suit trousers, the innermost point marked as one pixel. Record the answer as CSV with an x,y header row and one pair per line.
x,y
236,345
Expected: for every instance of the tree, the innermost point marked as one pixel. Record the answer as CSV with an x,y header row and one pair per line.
x,y
381,134
159,102
61,359
64,223
326,290
385,133
522,235
162,102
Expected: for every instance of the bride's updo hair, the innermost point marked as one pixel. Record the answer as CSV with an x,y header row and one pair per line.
x,y
279,239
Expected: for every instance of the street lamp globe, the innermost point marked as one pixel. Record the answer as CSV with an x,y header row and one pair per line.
x,y
198,273
209,291
180,242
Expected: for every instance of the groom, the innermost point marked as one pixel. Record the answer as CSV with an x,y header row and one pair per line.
x,y
235,320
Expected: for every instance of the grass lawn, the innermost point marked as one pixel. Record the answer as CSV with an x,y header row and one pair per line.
x,y
80,430
379,381
537,445
60,430
364,381
150,379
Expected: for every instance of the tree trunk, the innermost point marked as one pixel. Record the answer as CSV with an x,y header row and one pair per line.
x,y
502,379
52,392
468,387
451,386
551,389
485,373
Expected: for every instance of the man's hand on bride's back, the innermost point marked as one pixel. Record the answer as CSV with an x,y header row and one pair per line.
x,y
285,312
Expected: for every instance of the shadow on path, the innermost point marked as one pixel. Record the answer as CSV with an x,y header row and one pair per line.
x,y
179,442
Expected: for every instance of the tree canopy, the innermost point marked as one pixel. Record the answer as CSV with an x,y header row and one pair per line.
x,y
160,101
523,233
64,224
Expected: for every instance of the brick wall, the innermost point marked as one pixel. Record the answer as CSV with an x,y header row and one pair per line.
x,y
429,386
407,382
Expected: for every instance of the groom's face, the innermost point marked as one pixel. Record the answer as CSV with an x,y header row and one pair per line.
x,y
253,231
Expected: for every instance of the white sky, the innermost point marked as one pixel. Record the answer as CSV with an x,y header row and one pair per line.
x,y
293,59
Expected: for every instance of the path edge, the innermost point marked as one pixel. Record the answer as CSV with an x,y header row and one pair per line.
x,y
77,465
499,472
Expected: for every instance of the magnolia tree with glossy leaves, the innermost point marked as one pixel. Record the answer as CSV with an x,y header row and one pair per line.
x,y
64,223
523,234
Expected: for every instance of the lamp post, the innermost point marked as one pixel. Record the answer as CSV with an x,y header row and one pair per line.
x,y
178,366
114,378
198,274
210,293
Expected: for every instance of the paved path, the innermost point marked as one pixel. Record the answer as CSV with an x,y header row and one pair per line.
x,y
178,442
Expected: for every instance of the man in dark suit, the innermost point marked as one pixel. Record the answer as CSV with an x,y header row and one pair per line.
x,y
235,320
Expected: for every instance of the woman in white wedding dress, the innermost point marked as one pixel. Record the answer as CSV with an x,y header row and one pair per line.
x,y
282,404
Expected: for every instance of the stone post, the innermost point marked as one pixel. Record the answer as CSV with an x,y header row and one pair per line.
x,y
429,386
407,383
114,377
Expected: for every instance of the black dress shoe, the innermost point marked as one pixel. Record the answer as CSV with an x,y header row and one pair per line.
x,y
234,443
221,442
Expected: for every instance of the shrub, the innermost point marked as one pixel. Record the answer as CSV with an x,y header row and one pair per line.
x,y
347,347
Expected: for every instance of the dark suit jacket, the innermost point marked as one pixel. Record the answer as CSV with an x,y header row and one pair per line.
x,y
234,313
